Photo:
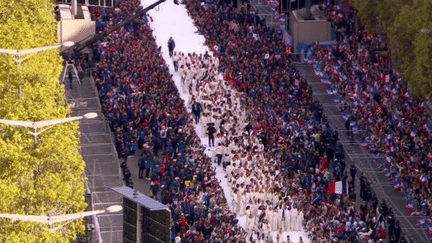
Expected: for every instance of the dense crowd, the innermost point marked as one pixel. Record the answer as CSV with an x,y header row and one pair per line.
x,y
143,109
276,146
299,147
397,130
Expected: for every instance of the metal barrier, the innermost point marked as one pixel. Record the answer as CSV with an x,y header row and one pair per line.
x,y
95,3
297,57
264,11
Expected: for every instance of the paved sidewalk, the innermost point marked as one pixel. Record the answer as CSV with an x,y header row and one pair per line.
x,y
102,165
141,185
354,152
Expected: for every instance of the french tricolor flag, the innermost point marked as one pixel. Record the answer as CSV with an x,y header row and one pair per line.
x,y
412,134
429,231
338,187
423,178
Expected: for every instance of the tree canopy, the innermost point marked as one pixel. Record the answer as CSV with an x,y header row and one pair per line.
x,y
48,179
402,22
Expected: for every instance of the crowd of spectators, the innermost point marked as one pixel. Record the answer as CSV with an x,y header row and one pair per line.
x,y
143,109
288,121
396,128
139,100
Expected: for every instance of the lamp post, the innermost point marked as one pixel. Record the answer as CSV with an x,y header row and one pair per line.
x,y
39,124
50,220
426,31
19,53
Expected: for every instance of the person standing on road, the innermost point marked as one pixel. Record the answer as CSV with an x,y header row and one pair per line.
x,y
171,46
196,110
163,135
353,172
175,58
70,78
142,166
211,130
219,153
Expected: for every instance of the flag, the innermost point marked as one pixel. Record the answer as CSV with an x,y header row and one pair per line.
x,y
286,38
409,207
344,76
332,91
423,178
346,116
429,231
338,187
317,199
256,37
421,223
412,134
357,90
337,100
325,80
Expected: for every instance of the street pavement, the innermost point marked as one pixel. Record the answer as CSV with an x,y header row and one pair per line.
x,y
355,153
102,165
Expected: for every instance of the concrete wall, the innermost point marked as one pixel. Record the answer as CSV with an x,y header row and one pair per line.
x,y
310,30
75,29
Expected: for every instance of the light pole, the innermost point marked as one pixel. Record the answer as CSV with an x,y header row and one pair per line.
x,y
426,31
50,220
39,124
19,53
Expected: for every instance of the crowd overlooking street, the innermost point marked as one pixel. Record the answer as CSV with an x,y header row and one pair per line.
x,y
397,130
271,136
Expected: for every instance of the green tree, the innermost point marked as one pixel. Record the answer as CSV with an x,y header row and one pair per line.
x,y
378,16
48,179
402,22
411,47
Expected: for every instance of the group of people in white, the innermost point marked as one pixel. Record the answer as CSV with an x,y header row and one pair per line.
x,y
256,186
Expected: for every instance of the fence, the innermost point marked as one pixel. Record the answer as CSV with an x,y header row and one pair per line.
x,y
96,3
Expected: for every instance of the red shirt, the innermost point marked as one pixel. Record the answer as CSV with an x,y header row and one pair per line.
x,y
183,222
324,164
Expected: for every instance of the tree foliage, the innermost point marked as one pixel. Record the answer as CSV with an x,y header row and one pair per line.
x,y
402,21
376,15
48,179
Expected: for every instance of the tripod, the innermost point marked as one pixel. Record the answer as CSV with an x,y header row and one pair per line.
x,y
70,64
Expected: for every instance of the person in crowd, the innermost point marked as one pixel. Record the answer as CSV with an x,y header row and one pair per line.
x,y
248,80
219,151
171,46
211,130
196,110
